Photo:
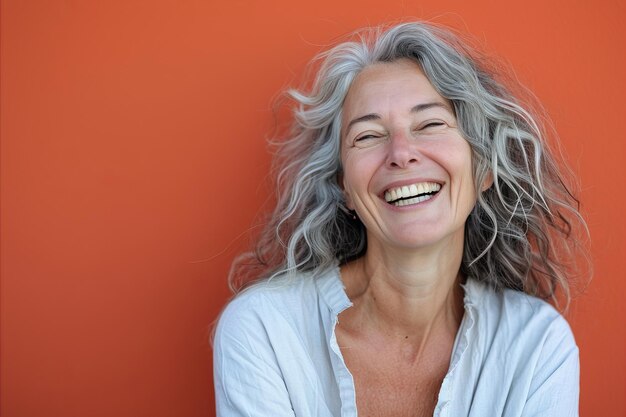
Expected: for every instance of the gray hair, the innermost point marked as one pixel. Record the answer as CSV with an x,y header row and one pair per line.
x,y
518,235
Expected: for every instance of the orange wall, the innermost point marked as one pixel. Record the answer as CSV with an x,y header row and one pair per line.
x,y
133,160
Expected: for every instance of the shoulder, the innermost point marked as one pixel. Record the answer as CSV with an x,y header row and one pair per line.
x,y
527,346
517,318
268,307
257,348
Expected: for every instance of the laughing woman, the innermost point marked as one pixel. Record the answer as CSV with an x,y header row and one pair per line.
x,y
406,264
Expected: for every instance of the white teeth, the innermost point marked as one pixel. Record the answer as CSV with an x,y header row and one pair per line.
x,y
411,193
414,200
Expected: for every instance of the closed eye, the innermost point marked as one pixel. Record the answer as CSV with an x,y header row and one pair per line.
x,y
432,124
365,137
368,136
369,139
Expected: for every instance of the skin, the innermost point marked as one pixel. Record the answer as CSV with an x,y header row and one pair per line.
x,y
397,338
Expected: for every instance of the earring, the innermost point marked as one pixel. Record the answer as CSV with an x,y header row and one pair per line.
x,y
349,212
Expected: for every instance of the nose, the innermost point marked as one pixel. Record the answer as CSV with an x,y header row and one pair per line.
x,y
402,151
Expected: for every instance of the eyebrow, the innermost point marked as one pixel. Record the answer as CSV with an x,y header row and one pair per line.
x,y
415,109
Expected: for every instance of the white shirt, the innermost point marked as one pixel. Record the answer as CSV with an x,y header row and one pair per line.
x,y
276,354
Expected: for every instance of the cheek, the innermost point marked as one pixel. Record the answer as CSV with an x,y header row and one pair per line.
x,y
359,168
465,178
455,158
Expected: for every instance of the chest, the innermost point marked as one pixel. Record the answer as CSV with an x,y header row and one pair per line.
x,y
387,383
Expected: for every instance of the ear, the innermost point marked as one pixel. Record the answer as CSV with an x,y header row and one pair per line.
x,y
346,194
488,182
348,200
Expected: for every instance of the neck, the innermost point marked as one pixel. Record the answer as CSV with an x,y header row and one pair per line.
x,y
407,293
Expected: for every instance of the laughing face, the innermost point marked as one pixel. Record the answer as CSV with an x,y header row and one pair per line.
x,y
407,170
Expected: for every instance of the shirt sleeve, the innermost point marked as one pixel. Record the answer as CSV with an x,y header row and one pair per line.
x,y
248,381
555,386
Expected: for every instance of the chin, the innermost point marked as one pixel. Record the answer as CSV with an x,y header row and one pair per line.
x,y
418,239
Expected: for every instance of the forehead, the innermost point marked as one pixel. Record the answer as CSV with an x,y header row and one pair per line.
x,y
386,85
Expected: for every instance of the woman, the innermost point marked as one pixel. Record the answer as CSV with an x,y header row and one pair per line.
x,y
403,270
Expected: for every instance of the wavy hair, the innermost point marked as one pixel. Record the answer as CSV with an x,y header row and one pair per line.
x,y
519,234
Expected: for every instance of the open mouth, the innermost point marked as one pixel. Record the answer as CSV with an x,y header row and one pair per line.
x,y
411,194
